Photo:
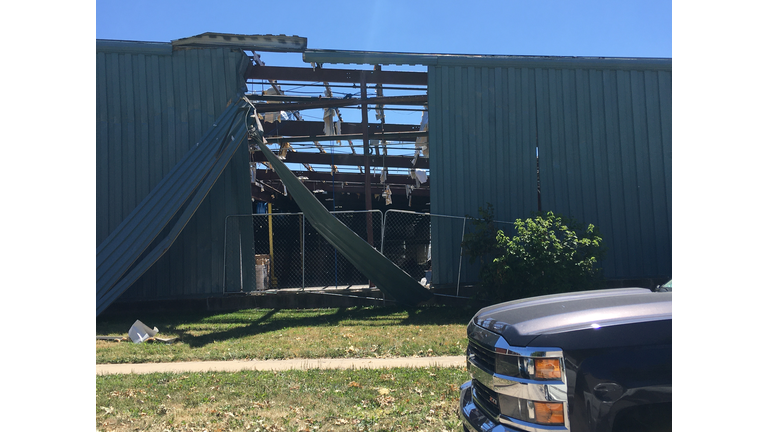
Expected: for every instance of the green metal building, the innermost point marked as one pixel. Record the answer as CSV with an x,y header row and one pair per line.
x,y
154,103
589,138
602,130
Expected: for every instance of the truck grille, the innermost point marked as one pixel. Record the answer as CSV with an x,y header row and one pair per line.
x,y
505,376
486,398
484,358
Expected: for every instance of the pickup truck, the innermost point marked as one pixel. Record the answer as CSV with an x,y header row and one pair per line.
x,y
587,361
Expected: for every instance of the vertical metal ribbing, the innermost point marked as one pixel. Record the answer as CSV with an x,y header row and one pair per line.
x,y
224,261
240,261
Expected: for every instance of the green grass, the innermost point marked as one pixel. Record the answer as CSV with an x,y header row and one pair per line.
x,y
358,332
398,399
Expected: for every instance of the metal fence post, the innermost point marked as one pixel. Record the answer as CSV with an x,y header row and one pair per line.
x,y
383,226
461,255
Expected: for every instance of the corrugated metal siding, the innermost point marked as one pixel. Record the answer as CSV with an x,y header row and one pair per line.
x,y
482,149
151,109
604,138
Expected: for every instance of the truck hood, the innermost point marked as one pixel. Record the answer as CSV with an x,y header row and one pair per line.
x,y
521,321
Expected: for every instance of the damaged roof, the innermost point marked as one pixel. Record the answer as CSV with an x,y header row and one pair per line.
x,y
274,43
394,58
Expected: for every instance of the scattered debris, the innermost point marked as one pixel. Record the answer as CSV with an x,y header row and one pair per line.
x,y
112,338
164,340
138,333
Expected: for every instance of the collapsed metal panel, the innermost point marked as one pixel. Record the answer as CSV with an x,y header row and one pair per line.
x,y
155,224
154,105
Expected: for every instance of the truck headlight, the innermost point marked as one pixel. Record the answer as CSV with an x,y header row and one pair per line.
x,y
527,367
549,412
543,413
546,369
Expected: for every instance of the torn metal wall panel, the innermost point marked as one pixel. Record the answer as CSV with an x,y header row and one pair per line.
x,y
159,207
155,224
603,132
153,106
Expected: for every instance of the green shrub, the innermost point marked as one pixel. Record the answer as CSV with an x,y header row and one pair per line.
x,y
549,254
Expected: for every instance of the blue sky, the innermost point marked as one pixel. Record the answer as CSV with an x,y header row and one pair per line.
x,y
629,28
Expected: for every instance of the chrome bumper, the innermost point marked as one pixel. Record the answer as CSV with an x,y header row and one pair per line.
x,y
475,420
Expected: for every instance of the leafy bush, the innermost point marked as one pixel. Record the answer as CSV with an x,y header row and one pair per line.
x,y
549,254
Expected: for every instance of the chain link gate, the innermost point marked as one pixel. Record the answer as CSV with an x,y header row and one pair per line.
x,y
290,253
407,241
328,267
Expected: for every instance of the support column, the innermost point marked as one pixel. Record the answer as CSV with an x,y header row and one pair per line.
x,y
367,154
272,278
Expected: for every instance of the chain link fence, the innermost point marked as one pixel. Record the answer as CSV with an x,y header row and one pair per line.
x,y
407,241
290,253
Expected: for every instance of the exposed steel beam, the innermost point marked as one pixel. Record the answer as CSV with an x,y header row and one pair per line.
x,y
388,136
312,128
339,188
346,159
265,196
392,179
338,103
335,75
366,157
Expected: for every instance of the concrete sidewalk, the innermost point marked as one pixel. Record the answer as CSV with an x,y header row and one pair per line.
x,y
268,365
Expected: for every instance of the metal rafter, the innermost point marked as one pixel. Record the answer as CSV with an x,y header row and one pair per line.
x,y
336,75
399,179
338,187
296,114
307,127
338,103
337,131
390,136
346,160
